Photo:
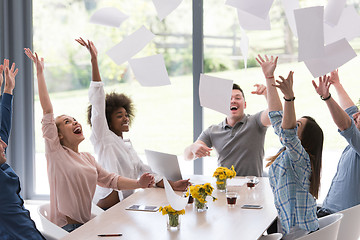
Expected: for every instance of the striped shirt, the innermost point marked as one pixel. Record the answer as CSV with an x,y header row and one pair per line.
x,y
289,180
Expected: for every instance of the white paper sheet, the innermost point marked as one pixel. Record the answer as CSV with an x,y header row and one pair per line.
x,y
108,16
165,7
130,46
333,11
348,26
215,93
150,71
336,54
252,22
176,202
310,29
259,8
289,7
244,46
237,181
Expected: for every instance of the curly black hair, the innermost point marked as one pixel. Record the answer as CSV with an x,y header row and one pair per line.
x,y
114,101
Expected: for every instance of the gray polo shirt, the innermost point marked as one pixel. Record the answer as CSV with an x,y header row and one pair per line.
x,y
241,145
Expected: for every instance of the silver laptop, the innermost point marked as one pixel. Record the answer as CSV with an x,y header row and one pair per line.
x,y
164,164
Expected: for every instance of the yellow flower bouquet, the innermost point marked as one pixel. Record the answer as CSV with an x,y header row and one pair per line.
x,y
199,193
222,174
173,216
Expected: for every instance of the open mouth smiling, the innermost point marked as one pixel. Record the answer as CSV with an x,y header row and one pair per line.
x,y
77,130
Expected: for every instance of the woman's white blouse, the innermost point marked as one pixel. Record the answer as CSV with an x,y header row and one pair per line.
x,y
113,153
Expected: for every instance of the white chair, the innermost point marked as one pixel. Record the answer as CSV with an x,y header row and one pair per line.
x,y
273,236
350,224
329,227
52,231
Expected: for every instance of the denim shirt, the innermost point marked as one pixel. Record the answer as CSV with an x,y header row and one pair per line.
x,y
289,179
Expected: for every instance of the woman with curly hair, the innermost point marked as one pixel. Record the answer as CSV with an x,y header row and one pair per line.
x,y
110,117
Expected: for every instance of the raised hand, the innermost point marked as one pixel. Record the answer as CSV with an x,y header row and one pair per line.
x,y
89,45
10,75
286,85
334,77
268,65
260,89
324,85
146,180
39,63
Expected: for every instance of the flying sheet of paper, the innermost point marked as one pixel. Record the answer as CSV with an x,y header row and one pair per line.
x,y
348,26
244,46
165,7
289,7
215,93
130,46
259,8
150,71
108,16
333,11
336,54
310,31
176,202
252,22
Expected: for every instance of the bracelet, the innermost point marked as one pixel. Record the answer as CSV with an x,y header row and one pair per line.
x,y
289,100
269,77
324,99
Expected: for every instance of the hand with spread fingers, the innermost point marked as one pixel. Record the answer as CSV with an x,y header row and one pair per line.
x,y
286,85
268,65
323,88
10,75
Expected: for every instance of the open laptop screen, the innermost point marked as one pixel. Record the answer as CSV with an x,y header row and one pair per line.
x,y
164,164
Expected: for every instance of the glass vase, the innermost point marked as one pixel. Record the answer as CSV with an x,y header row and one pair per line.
x,y
221,184
173,221
200,207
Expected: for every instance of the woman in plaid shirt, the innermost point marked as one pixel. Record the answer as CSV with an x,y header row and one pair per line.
x,y
295,170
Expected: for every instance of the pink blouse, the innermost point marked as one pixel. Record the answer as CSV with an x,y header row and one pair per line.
x,y
72,177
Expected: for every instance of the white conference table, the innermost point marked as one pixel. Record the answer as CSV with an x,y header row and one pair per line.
x,y
218,222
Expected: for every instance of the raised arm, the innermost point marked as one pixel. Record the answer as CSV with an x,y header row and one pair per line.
x,y
43,92
6,102
344,99
268,66
94,63
340,117
261,90
286,87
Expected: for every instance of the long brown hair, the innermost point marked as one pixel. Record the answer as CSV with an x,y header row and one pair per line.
x,y
312,139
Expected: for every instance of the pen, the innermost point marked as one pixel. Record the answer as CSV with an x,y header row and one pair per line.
x,y
110,235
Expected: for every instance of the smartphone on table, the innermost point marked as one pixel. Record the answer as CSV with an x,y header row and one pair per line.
x,y
251,206
140,207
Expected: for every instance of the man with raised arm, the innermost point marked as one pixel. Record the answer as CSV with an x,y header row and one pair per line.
x,y
238,140
344,191
15,221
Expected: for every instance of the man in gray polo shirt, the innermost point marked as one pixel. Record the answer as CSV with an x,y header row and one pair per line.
x,y
238,140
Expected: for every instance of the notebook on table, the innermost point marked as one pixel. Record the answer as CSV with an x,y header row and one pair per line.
x,y
164,164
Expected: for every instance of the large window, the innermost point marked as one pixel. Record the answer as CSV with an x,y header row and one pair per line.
x,y
223,58
163,117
